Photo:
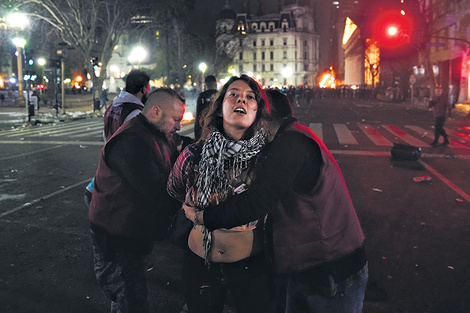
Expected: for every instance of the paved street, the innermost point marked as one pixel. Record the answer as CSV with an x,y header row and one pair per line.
x,y
417,232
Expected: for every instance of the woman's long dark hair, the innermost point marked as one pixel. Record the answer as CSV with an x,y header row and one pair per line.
x,y
212,117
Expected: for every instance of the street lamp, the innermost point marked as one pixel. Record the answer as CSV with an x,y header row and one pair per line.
x,y
42,62
202,68
138,55
286,73
41,85
19,21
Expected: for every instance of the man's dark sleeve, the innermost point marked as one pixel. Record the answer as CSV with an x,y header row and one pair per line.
x,y
290,161
135,163
197,126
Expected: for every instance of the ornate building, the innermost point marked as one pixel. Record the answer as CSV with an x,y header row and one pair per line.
x,y
449,46
280,49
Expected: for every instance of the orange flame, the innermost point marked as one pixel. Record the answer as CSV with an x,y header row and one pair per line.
x,y
327,79
187,117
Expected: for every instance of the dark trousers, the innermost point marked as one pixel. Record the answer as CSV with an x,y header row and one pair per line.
x,y
121,273
439,129
206,287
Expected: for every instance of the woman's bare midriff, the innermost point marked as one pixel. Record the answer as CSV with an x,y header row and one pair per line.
x,y
228,245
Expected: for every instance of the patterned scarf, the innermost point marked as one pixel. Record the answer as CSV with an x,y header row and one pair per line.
x,y
222,159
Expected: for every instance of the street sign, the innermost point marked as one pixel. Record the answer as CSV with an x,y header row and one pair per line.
x,y
434,44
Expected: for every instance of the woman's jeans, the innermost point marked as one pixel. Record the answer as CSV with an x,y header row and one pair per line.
x,y
342,297
206,288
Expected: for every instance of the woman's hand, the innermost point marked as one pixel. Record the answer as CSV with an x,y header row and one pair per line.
x,y
193,214
189,211
190,207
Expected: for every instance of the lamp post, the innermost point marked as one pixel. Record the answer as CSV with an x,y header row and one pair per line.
x,y
19,21
61,52
19,44
202,68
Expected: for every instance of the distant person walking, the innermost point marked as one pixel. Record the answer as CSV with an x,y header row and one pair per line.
x,y
203,101
440,108
104,99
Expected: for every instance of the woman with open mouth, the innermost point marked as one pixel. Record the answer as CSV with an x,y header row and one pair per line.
x,y
209,171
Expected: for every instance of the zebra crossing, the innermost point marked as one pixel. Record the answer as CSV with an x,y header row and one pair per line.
x,y
336,134
90,129
384,135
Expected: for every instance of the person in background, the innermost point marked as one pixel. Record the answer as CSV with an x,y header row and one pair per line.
x,y
316,240
128,104
440,108
104,99
210,171
130,207
203,101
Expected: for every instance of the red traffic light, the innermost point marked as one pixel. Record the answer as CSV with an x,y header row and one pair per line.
x,y
40,86
392,29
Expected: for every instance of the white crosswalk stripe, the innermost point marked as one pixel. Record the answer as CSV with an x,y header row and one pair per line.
x,y
399,133
317,129
375,136
345,137
85,129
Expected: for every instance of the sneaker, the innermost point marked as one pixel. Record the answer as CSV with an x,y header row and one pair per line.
x,y
434,144
446,142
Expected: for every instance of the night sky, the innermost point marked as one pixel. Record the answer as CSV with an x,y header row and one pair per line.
x,y
207,10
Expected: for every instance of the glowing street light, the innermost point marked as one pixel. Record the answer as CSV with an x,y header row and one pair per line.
x,y
287,72
17,20
19,42
392,31
42,62
202,68
138,55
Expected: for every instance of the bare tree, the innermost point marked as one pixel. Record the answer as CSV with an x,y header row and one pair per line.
x,y
92,27
177,38
230,42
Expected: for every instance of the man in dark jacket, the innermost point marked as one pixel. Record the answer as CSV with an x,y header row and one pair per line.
x,y
128,104
202,103
130,207
315,238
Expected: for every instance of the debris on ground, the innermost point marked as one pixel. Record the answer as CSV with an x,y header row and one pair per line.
x,y
420,179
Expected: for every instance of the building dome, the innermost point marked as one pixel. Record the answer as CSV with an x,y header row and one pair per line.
x,y
227,13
